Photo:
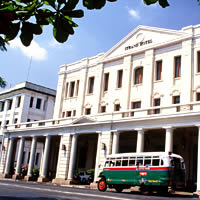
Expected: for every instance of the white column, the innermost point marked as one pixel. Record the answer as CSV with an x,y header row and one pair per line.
x,y
169,140
72,156
20,155
32,156
115,145
140,141
9,157
46,156
198,162
97,156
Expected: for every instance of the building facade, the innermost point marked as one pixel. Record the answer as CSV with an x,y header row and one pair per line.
x,y
25,102
141,95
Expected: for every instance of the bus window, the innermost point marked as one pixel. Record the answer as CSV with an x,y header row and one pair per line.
x,y
162,162
112,164
147,162
131,162
124,162
139,161
106,164
155,162
118,162
176,163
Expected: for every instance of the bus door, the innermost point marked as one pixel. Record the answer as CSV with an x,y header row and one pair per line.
x,y
141,172
178,173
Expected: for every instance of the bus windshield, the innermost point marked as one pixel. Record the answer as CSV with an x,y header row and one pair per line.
x,y
177,163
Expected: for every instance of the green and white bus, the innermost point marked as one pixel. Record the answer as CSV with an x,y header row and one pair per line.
x,y
149,170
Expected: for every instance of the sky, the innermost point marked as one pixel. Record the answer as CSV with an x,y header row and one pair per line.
x,y
98,31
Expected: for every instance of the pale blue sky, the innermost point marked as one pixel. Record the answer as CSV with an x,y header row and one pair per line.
x,y
98,31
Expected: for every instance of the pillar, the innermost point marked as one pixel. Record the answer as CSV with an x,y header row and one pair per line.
x,y
19,159
72,157
198,162
9,158
97,157
32,158
140,141
44,168
169,140
115,145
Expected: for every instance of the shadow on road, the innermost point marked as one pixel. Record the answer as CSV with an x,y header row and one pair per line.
x,y
27,198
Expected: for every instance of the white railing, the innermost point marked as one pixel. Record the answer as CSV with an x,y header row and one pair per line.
x,y
100,117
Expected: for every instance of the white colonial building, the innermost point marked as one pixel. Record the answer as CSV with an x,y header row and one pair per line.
x,y
25,102
141,95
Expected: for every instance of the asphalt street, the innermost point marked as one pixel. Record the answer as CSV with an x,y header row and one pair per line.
x,y
20,190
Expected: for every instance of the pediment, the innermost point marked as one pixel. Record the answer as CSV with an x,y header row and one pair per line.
x,y
143,37
83,120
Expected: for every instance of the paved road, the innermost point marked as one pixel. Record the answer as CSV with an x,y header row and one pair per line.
x,y
11,190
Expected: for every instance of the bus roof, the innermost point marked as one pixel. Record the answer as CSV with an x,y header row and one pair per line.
x,y
143,154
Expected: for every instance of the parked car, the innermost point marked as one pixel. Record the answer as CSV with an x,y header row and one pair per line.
x,y
85,177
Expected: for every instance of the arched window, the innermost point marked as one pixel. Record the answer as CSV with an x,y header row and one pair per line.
x,y
138,75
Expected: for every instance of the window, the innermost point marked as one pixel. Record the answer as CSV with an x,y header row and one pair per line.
x,y
37,158
198,97
103,109
119,78
7,122
31,102
74,112
157,103
45,105
138,75
91,85
77,87
71,89
38,103
63,114
69,113
18,102
9,104
136,105
2,104
88,111
177,62
23,157
28,120
15,121
117,107
176,99
66,90
28,157
106,80
198,61
158,70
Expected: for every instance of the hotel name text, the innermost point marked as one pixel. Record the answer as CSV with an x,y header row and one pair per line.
x,y
139,44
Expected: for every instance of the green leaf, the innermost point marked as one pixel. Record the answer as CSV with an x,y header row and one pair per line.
x,y
163,3
50,2
59,33
35,28
73,14
61,1
13,32
94,4
149,2
71,4
26,35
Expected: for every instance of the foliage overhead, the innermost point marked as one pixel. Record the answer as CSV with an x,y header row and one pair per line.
x,y
2,83
27,17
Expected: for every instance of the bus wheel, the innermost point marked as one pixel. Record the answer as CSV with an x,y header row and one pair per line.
x,y
118,188
102,186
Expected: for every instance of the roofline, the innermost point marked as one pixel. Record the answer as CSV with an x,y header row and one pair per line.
x,y
11,90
